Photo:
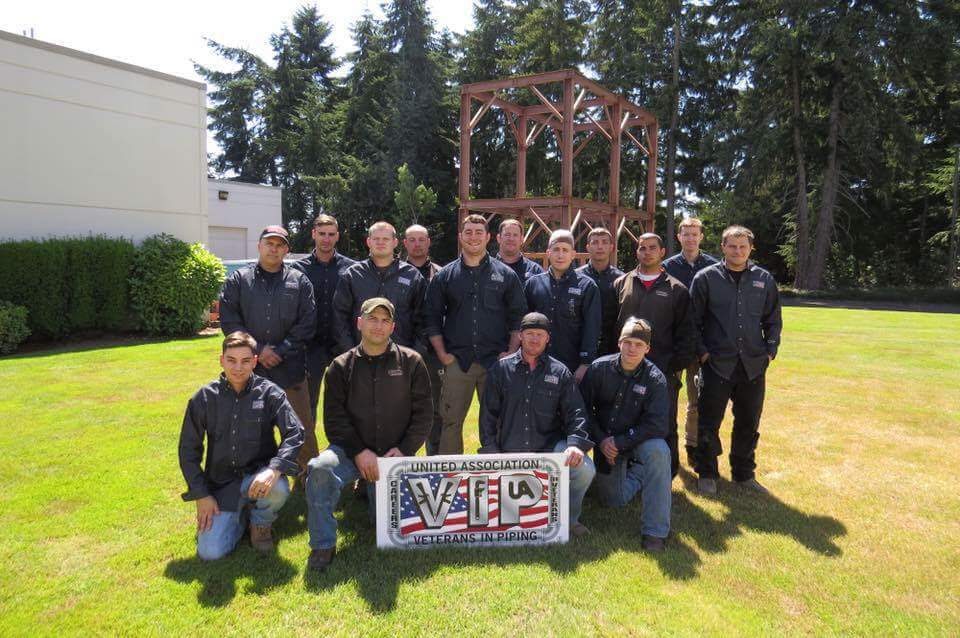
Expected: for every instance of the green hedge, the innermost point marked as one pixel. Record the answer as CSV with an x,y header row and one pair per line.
x,y
13,326
172,284
68,285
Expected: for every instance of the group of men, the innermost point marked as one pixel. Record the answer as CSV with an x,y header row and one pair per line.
x,y
565,360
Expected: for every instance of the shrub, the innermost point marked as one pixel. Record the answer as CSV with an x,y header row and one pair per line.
x,y
68,284
13,326
172,284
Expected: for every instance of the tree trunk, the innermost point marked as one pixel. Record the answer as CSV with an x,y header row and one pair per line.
x,y
803,206
669,169
831,175
952,263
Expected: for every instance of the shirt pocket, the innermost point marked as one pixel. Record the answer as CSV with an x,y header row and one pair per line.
x,y
289,302
545,405
572,310
756,299
493,297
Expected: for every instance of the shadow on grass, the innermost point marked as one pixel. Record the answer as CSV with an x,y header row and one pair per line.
x,y
219,578
41,349
749,511
378,575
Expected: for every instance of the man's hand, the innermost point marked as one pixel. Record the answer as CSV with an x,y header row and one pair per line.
x,y
609,450
207,508
394,451
263,483
366,462
770,357
574,456
446,358
579,372
703,359
269,358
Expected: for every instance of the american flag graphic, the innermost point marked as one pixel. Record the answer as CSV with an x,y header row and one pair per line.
x,y
531,517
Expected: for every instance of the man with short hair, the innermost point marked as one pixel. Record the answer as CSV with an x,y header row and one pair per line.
x,y
376,403
601,246
416,242
571,301
474,307
380,275
626,400
531,404
650,293
736,310
323,267
683,266
236,415
510,241
274,303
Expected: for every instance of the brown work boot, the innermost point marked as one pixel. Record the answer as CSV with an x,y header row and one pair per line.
x,y
261,537
320,558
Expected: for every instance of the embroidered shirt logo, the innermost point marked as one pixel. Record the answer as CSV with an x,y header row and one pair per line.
x,y
403,281
663,293
552,378
258,405
396,372
291,284
758,284
495,276
573,291
640,389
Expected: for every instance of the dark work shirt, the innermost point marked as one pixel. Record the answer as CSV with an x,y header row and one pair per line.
x,y
527,410
238,429
324,276
524,268
282,315
572,303
608,305
428,269
399,282
629,406
736,322
680,268
475,308
377,402
666,306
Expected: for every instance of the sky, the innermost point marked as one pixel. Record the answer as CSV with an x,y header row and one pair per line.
x,y
169,36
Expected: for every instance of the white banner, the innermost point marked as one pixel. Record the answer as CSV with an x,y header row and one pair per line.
x,y
476,500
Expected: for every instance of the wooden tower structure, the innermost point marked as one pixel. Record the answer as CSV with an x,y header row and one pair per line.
x,y
585,111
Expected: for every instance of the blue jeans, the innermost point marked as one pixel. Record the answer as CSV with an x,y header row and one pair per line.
x,y
580,479
329,473
227,527
645,469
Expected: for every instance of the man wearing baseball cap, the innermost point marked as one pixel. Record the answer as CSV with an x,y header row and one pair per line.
x,y
571,300
274,304
376,403
531,404
627,406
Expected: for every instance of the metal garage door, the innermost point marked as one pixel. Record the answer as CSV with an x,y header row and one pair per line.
x,y
228,243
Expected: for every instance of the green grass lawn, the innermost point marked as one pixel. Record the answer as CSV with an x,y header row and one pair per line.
x,y
860,443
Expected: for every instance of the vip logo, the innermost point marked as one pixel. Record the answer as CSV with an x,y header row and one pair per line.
x,y
513,493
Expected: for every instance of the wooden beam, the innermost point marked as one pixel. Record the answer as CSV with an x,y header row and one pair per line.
x,y
543,224
651,200
583,143
613,195
599,128
483,109
520,81
464,148
546,102
497,102
521,132
636,141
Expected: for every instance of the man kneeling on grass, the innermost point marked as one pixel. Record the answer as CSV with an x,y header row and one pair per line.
x,y
627,406
376,402
531,404
244,467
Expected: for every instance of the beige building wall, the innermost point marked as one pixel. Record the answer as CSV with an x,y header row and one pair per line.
x,y
236,221
95,146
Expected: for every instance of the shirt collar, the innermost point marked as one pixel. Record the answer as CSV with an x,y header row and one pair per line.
x,y
224,383
636,373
